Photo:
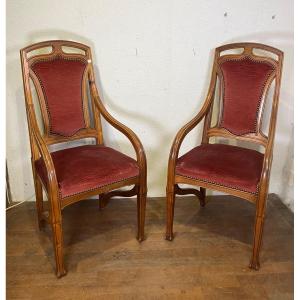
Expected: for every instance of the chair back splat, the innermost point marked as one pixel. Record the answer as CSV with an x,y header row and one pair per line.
x,y
245,80
61,81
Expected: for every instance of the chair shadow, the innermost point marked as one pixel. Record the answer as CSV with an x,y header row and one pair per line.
x,y
88,232
221,224
232,218
109,233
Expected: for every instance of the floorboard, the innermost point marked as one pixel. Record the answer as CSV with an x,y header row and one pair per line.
x,y
208,259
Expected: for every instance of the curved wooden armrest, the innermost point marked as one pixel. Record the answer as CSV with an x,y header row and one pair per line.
x,y
186,129
135,141
194,122
44,151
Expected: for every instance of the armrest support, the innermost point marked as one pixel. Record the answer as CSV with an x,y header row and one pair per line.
x,y
137,145
43,149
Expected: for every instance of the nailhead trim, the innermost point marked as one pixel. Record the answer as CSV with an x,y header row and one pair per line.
x,y
247,57
95,188
215,183
58,57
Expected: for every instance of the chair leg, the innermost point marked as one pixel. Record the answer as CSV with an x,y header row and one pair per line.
x,y
58,248
39,202
258,231
103,201
56,224
141,207
170,212
203,196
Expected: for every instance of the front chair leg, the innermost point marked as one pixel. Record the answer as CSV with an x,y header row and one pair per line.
x,y
56,224
258,231
141,207
58,249
170,212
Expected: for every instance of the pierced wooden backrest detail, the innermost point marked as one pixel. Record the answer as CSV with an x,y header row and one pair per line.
x,y
245,80
60,79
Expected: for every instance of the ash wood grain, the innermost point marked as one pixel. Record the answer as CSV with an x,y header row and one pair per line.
x,y
207,260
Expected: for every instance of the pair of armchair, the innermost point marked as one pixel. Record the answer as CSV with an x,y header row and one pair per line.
x,y
63,79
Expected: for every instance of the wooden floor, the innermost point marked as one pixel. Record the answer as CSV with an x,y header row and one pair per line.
x,y
208,258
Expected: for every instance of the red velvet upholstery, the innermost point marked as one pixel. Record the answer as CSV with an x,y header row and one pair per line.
x,y
244,81
88,167
226,165
61,81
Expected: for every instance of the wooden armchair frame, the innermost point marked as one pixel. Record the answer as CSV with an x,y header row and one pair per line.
x,y
39,143
259,199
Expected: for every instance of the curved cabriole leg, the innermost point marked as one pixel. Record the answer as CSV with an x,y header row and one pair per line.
x,y
141,207
170,212
202,196
258,230
56,224
39,202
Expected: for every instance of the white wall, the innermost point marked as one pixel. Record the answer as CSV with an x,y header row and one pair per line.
x,y
153,62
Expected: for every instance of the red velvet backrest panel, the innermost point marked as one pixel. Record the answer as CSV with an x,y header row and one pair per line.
x,y
243,81
61,81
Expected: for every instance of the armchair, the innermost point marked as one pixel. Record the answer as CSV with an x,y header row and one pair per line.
x,y
62,80
244,81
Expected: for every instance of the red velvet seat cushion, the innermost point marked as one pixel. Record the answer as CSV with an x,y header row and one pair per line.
x,y
226,165
88,167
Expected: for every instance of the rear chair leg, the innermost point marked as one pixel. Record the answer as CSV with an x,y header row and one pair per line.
x,y
170,212
39,202
103,201
258,231
203,196
141,207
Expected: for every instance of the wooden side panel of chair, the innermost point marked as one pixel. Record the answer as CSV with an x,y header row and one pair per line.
x,y
208,132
